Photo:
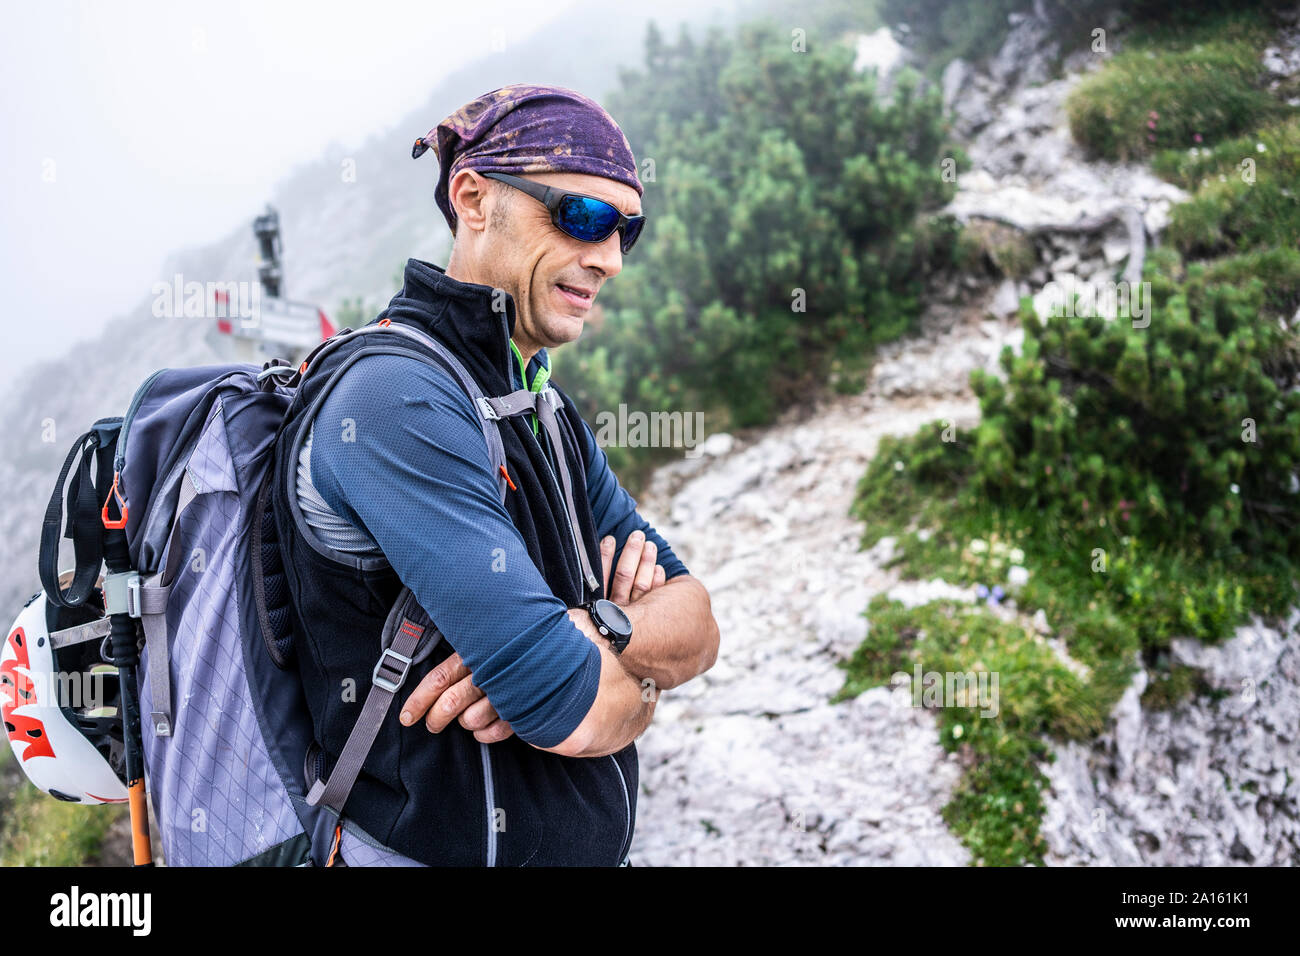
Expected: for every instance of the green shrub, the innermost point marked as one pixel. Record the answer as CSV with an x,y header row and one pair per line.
x,y
1187,431
42,831
1277,271
785,236
940,30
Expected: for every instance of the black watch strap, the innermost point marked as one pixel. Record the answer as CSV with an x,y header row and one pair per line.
x,y
617,640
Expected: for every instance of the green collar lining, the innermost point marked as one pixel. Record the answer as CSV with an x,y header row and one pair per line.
x,y
540,378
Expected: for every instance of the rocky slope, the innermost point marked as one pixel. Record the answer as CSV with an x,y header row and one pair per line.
x,y
751,765
1210,783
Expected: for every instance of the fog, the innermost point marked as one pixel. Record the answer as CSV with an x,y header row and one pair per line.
x,y
134,129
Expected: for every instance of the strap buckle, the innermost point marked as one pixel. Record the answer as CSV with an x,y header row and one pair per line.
x,y
385,682
122,593
288,371
133,585
487,411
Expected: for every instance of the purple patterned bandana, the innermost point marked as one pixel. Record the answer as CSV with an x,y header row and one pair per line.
x,y
528,129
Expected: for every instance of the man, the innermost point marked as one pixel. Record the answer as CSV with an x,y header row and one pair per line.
x,y
516,745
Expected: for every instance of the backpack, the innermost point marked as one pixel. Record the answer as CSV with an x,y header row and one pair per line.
x,y
225,726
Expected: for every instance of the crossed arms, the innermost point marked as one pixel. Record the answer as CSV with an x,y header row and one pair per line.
x,y
674,638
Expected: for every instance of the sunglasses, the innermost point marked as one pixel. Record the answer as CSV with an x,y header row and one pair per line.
x,y
582,217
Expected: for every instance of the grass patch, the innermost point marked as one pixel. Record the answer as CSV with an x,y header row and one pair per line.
x,y
38,830
1009,251
997,688
1246,193
1176,86
1174,684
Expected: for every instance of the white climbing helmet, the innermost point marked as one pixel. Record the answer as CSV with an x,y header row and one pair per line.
x,y
60,700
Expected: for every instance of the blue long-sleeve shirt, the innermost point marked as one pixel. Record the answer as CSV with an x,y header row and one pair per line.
x,y
413,470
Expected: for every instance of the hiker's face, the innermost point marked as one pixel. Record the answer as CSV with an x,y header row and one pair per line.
x,y
526,255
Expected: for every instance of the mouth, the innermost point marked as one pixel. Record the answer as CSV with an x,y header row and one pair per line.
x,y
576,296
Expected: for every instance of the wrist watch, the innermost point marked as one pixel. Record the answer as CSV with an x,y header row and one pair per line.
x,y
611,622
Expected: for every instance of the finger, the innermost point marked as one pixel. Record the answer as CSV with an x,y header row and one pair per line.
x,y
661,576
620,591
453,700
607,548
435,682
478,715
499,730
645,572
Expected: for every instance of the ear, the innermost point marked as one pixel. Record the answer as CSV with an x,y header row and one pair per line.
x,y
468,193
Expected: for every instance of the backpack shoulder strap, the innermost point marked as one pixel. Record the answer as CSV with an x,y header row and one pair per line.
x,y
85,517
444,357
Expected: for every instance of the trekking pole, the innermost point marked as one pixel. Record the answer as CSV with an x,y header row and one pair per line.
x,y
125,632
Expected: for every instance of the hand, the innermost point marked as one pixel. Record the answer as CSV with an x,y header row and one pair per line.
x,y
637,573
448,693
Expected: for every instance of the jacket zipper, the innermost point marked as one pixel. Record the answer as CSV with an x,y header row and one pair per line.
x,y
627,806
136,399
490,796
573,532
589,578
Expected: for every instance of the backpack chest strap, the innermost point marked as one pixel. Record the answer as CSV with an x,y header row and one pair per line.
x,y
544,404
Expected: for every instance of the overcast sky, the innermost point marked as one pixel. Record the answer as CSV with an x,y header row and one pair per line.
x,y
125,128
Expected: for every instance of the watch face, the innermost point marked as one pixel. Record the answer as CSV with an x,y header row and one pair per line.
x,y
612,616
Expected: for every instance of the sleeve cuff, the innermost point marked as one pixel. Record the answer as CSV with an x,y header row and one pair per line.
x,y
577,696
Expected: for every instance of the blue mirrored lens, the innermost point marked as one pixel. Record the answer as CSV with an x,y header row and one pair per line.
x,y
590,220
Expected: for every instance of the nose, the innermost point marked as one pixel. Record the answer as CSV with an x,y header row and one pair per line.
x,y
605,257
